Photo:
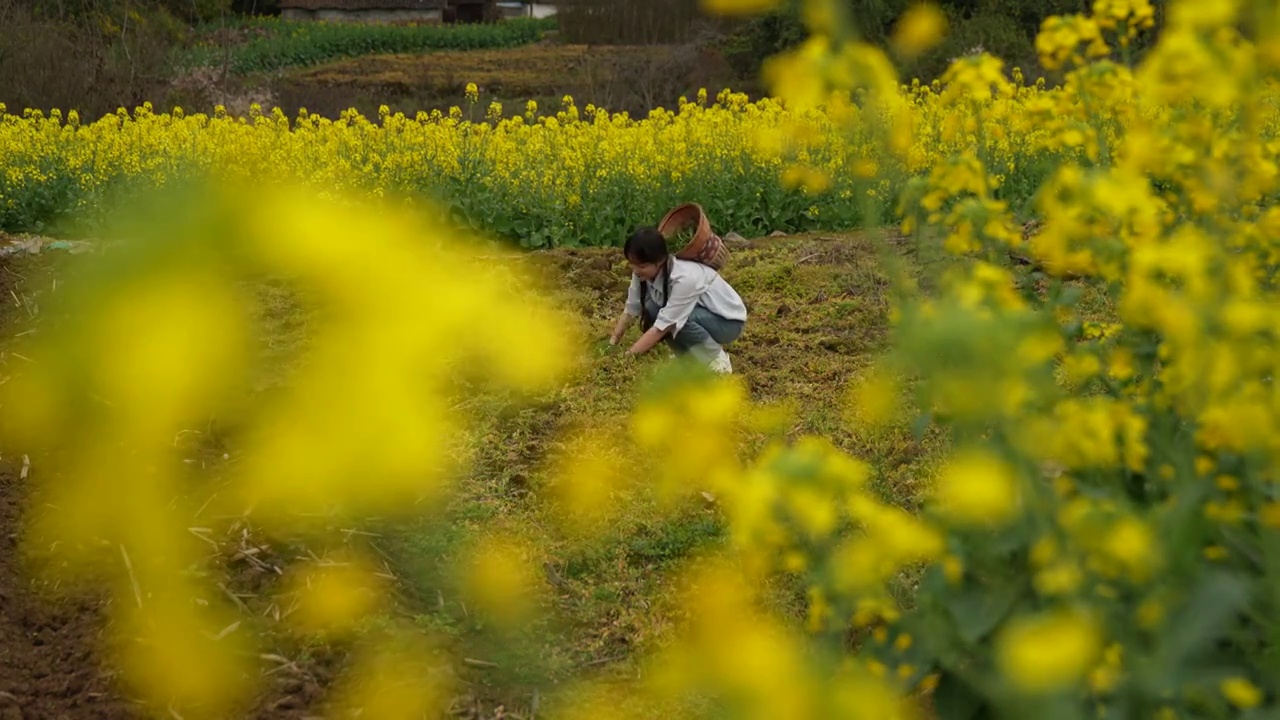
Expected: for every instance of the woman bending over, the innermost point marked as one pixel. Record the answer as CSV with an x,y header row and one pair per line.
x,y
685,304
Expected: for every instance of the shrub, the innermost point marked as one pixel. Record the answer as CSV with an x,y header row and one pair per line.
x,y
90,61
993,32
623,22
759,38
1004,29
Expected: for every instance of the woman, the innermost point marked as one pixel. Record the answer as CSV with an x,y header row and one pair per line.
x,y
685,304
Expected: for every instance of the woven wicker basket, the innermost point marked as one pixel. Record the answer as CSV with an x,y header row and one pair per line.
x,y
706,247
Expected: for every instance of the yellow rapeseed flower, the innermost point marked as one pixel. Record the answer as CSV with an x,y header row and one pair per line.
x,y
1133,546
1106,676
874,398
335,596
499,580
919,29
977,487
1269,515
1241,693
587,481
738,7
1048,652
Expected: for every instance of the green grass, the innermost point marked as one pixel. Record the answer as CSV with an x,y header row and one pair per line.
x,y
266,45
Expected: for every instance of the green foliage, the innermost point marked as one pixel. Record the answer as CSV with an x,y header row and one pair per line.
x,y
198,11
256,7
283,44
187,11
626,22
1006,29
995,32
762,37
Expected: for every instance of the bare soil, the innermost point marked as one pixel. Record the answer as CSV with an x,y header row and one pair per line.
x,y
48,661
47,650
51,664
619,78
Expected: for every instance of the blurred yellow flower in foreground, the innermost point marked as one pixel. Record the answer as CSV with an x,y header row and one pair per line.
x,y
1132,545
1048,652
587,479
335,596
401,678
155,342
977,487
919,29
739,7
729,647
172,652
708,457
1241,693
874,398
499,579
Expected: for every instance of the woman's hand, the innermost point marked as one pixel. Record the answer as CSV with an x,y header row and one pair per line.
x,y
619,328
646,342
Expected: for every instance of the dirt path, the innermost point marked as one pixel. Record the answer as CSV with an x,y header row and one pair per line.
x,y
48,665
51,667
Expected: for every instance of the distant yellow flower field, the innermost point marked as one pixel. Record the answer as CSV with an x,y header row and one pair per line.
x,y
583,176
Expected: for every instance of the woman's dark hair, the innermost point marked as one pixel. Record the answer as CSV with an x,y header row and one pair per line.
x,y
646,245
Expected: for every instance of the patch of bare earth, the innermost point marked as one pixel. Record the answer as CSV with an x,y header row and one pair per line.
x,y
630,78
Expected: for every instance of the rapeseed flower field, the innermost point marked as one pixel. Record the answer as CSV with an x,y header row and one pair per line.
x,y
1101,539
570,176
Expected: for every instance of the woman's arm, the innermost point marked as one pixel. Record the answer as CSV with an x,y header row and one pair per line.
x,y
620,327
630,310
684,295
646,342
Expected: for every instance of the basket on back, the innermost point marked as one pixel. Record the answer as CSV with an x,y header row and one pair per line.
x,y
706,247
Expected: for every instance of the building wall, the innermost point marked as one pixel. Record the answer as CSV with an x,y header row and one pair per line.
x,y
516,8
368,16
